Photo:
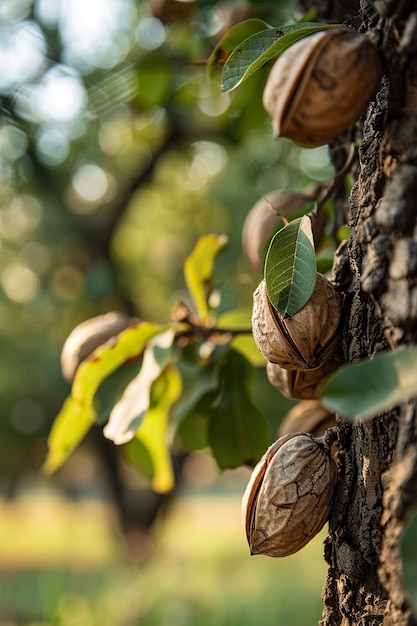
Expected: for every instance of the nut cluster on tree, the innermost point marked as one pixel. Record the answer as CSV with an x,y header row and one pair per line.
x,y
322,84
290,494
302,349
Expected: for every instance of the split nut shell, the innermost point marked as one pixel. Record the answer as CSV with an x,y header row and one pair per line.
x,y
290,495
306,339
301,384
321,85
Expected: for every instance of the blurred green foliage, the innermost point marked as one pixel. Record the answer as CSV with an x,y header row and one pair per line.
x,y
117,152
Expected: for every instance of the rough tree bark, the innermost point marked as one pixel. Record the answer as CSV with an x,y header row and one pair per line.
x,y
377,271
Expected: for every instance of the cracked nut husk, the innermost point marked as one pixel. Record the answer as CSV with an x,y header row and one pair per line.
x,y
306,339
265,215
309,416
290,494
302,384
321,85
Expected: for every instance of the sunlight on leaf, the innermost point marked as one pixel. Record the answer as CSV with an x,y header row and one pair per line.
x,y
68,430
372,386
260,48
290,267
78,412
234,36
241,319
153,432
198,270
107,358
128,412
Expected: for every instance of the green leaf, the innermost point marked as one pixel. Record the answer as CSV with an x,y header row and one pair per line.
x,y
372,386
308,16
238,432
153,431
290,267
192,432
199,378
198,271
261,47
233,37
241,319
201,385
135,453
408,546
68,430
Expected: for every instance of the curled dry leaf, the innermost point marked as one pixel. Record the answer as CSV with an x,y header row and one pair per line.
x,y
309,416
127,413
290,494
264,216
306,339
321,85
89,335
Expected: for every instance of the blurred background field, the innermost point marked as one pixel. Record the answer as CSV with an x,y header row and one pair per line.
x,y
66,563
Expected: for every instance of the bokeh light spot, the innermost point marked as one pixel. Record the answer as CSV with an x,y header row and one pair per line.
x,y
19,283
90,182
94,33
315,162
150,33
61,95
52,144
13,142
208,160
22,54
211,102
91,187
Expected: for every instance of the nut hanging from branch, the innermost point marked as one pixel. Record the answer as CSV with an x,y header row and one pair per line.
x,y
305,340
290,494
321,85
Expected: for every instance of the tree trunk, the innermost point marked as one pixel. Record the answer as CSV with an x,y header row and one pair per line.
x,y
377,270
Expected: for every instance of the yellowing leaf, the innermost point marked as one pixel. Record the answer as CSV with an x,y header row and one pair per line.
x,y
129,344
126,413
198,270
78,413
241,319
153,432
69,428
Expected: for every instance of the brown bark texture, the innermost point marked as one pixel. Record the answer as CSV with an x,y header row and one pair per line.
x,y
377,272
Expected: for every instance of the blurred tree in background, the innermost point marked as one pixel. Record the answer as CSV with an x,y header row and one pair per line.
x,y
117,153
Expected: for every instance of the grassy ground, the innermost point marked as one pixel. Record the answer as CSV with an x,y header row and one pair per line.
x,y
63,564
